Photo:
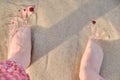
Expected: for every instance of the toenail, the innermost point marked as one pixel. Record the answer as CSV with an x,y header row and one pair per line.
x,y
31,9
12,22
94,22
24,9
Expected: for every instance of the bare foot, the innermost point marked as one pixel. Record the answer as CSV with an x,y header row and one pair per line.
x,y
94,34
91,59
99,32
20,20
26,12
20,38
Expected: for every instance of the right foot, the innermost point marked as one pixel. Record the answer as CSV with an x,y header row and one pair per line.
x,y
92,59
98,32
94,34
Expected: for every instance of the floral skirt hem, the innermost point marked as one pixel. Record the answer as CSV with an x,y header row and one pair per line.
x,y
10,70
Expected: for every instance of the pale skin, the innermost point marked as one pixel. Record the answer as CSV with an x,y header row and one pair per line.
x,y
20,48
91,60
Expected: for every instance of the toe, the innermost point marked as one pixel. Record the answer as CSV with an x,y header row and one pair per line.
x,y
30,10
23,13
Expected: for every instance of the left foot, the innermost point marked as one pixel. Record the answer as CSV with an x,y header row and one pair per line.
x,y
20,38
20,20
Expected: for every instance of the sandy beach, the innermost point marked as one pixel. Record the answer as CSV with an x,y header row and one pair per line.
x,y
60,30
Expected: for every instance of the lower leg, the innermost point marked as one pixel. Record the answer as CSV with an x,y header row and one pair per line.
x,y
91,60
20,47
20,38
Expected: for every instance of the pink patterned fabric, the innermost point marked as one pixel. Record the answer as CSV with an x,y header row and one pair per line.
x,y
10,70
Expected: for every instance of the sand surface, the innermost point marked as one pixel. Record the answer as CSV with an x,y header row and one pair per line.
x,y
60,29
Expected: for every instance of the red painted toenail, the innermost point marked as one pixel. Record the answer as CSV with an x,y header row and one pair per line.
x,y
12,22
31,9
24,9
94,22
